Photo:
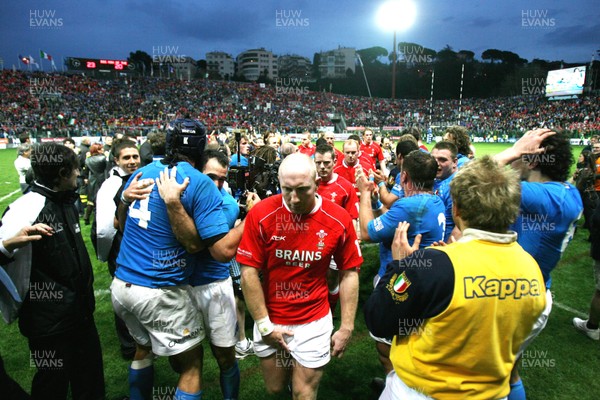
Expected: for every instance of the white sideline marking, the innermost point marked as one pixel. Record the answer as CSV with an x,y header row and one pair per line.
x,y
569,309
10,195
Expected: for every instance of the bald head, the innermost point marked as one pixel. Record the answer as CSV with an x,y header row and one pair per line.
x,y
297,163
297,178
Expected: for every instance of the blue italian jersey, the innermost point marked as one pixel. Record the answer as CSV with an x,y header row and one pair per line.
x,y
546,223
442,189
397,189
150,254
462,160
424,212
205,268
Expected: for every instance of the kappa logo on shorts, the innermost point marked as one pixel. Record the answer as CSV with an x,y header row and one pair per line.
x,y
187,335
324,355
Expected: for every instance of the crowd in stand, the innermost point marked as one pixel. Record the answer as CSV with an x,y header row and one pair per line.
x,y
76,105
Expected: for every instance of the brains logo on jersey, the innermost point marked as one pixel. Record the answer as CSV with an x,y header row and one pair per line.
x,y
321,235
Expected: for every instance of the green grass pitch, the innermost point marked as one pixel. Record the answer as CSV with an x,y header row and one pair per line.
x,y
561,363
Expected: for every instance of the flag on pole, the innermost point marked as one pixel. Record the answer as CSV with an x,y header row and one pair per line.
x,y
24,60
32,61
45,56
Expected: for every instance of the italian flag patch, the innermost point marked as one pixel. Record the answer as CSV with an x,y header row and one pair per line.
x,y
401,284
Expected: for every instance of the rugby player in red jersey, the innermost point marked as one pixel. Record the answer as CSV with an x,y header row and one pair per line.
x,y
290,239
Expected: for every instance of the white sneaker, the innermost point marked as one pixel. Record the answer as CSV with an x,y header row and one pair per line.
x,y
243,350
581,324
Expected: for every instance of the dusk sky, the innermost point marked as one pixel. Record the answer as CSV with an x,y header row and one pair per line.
x,y
544,29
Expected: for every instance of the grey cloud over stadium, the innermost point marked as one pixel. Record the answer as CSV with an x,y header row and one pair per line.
x,y
545,29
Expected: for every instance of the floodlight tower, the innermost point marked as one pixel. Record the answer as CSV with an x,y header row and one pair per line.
x,y
396,15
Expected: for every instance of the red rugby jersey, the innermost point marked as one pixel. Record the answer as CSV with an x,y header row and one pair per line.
x,y
293,252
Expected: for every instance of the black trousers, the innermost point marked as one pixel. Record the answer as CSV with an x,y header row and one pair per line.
x,y
72,359
10,389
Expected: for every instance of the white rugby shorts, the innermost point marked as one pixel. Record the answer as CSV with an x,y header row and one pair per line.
x,y
216,303
164,318
310,346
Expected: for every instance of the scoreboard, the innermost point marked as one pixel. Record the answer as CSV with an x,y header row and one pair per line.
x,y
97,64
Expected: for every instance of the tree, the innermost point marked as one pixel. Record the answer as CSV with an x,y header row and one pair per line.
x,y
141,60
466,56
492,55
446,55
413,53
509,57
316,72
371,54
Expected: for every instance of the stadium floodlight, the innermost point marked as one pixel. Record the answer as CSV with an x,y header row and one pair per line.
x,y
396,15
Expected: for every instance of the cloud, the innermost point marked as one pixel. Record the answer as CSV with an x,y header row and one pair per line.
x,y
482,22
573,35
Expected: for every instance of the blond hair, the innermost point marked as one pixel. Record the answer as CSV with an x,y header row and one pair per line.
x,y
486,196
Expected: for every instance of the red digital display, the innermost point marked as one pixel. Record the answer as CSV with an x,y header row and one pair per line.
x,y
99,64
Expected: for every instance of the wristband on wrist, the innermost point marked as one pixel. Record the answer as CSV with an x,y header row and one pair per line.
x,y
376,206
127,203
265,326
381,184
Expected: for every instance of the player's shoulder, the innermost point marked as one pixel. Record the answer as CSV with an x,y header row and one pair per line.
x,y
335,211
535,189
268,205
343,182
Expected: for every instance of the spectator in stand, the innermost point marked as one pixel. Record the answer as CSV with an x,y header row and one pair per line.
x,y
23,164
306,147
91,105
459,136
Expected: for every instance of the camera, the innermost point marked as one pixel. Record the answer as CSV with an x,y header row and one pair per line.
x,y
259,177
